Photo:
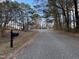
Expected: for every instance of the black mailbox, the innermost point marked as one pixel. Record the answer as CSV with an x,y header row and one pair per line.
x,y
13,34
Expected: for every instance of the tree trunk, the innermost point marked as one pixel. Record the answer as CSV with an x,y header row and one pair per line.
x,y
67,20
76,15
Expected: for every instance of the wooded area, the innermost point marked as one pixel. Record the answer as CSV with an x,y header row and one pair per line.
x,y
16,15
65,13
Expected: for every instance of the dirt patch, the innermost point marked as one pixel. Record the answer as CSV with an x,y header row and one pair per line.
x,y
18,42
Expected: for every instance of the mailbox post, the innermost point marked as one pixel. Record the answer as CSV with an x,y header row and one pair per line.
x,y
13,35
11,41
